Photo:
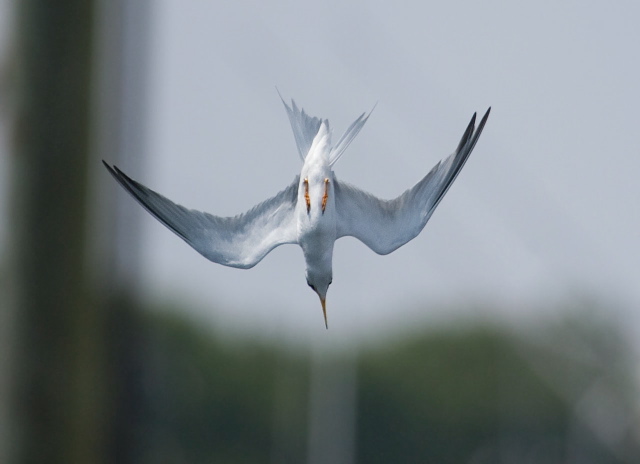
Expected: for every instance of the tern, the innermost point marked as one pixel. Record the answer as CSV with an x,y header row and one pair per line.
x,y
315,210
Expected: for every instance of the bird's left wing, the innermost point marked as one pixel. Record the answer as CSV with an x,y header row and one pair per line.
x,y
385,225
240,241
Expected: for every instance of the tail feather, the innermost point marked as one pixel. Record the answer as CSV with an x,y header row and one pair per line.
x,y
347,137
305,128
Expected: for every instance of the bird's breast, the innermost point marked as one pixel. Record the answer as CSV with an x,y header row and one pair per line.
x,y
316,232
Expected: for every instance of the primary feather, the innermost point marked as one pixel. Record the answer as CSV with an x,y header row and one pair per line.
x,y
385,225
241,241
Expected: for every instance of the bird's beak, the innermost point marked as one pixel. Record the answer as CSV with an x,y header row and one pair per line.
x,y
324,311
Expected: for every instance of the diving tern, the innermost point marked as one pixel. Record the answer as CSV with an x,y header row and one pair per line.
x,y
315,210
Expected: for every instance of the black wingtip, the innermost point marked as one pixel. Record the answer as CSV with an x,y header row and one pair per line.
x,y
483,122
124,180
122,176
113,169
118,175
467,133
110,168
486,116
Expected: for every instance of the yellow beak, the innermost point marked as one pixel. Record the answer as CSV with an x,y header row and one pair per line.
x,y
324,311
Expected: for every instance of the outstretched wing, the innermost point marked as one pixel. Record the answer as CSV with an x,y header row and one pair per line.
x,y
240,241
385,225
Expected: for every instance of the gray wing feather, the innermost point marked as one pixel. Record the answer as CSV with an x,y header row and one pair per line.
x,y
240,241
385,225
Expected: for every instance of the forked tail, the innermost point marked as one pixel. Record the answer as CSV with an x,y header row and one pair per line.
x,y
306,127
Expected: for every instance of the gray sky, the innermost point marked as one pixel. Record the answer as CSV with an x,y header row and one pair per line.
x,y
546,208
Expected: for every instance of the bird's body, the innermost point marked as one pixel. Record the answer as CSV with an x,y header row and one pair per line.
x,y
316,214
313,211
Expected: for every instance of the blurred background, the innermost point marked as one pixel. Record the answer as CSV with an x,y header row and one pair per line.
x,y
507,332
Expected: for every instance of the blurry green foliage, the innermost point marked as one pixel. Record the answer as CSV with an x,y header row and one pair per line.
x,y
473,394
455,396
205,401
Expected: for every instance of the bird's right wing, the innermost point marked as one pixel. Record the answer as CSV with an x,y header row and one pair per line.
x,y
385,225
240,241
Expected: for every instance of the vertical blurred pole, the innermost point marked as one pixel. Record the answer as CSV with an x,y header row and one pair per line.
x,y
332,410
57,392
123,52
7,306
122,79
288,431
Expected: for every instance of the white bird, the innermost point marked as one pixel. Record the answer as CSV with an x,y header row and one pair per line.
x,y
314,210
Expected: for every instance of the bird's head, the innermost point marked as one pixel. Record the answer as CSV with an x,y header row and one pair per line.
x,y
319,283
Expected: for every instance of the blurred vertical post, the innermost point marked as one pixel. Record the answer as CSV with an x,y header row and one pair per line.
x,y
122,82
79,81
121,98
57,406
332,408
